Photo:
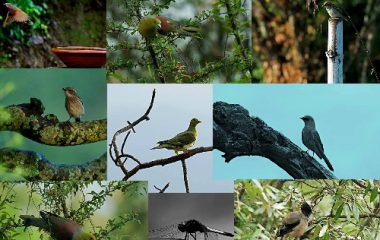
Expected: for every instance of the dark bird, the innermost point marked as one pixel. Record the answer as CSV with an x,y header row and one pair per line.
x,y
295,223
312,141
14,14
73,104
58,227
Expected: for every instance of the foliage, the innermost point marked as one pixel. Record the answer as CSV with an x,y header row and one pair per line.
x,y
19,32
341,209
221,52
79,201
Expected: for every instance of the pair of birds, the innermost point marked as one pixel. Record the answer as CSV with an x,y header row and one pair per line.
x,y
149,27
14,14
295,224
58,227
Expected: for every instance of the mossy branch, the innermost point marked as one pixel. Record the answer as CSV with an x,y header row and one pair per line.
x,y
27,120
36,167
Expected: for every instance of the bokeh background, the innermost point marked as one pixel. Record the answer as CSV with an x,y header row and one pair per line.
x,y
23,199
53,24
19,85
289,41
174,107
346,118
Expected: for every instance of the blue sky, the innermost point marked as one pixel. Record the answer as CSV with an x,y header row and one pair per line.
x,y
174,107
347,118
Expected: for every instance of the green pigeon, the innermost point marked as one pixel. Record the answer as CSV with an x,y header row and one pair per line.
x,y
58,227
148,27
182,141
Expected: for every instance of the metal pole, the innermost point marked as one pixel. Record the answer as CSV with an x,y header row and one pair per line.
x,y
334,52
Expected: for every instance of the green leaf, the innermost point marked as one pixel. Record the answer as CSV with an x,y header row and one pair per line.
x,y
374,194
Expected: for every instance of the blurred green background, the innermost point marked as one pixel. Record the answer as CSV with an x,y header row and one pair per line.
x,y
124,200
19,85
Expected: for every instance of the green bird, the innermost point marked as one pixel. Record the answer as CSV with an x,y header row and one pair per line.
x,y
58,227
182,141
148,27
168,26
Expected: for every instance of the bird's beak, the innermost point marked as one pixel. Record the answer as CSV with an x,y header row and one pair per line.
x,y
303,118
64,89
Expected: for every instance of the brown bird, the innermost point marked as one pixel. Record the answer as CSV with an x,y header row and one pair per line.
x,y
73,104
295,223
14,14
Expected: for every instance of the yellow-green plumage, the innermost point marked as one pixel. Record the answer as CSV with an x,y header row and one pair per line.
x,y
182,141
148,27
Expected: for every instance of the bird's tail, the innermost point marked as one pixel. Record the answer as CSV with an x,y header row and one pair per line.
x,y
34,221
329,165
189,31
220,232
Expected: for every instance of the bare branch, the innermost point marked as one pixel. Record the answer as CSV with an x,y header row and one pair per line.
x,y
163,189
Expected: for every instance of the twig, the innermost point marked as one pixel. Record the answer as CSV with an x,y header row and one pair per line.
x,y
163,189
184,168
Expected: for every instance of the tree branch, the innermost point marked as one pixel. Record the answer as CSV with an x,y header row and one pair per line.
x,y
37,167
165,161
238,134
27,120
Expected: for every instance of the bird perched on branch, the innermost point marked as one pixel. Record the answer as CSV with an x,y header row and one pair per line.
x,y
58,227
14,14
182,141
295,223
334,11
149,27
73,104
312,141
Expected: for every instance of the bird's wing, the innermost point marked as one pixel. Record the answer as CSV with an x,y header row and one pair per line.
x,y
60,226
289,223
181,139
317,141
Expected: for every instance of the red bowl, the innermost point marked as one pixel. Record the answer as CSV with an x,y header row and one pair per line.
x,y
81,57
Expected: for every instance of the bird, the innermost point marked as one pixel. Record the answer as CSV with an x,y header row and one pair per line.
x,y
182,141
312,141
169,26
148,27
58,227
295,223
151,25
73,104
334,11
14,14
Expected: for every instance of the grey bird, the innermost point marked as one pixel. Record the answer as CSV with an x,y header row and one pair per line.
x,y
312,141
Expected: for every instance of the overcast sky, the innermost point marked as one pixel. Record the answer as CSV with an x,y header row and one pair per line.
x,y
347,118
174,107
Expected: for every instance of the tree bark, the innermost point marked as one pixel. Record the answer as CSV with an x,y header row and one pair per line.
x,y
36,167
237,134
27,120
